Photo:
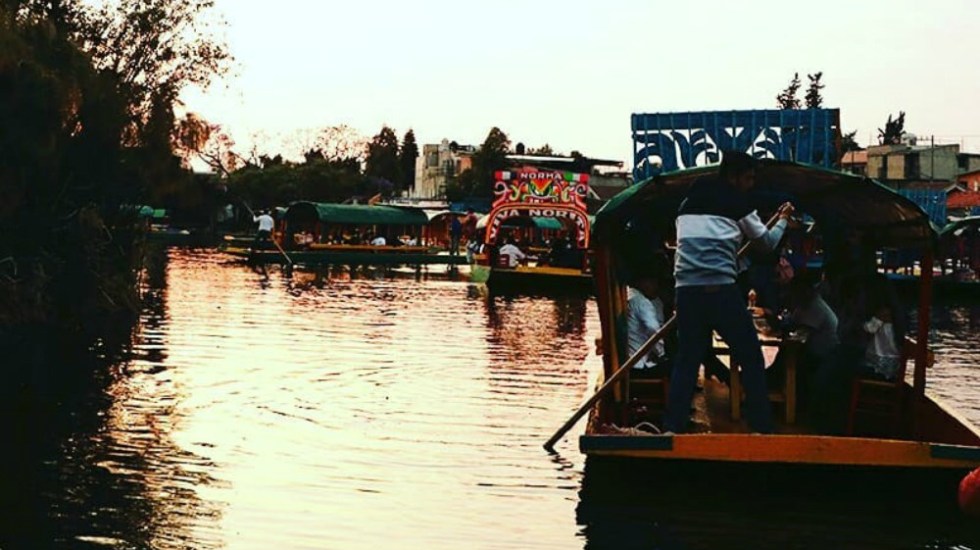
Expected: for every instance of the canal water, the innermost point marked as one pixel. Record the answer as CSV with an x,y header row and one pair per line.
x,y
401,411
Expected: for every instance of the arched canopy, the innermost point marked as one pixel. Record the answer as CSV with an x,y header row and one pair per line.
x,y
542,216
839,203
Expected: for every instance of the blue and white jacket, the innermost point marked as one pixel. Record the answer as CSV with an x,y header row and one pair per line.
x,y
712,224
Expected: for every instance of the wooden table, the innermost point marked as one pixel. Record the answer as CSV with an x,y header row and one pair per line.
x,y
789,348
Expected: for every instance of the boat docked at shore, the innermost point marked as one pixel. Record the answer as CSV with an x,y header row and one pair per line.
x,y
542,212
890,426
351,234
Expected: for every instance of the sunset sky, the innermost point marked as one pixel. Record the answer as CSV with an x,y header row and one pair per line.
x,y
570,73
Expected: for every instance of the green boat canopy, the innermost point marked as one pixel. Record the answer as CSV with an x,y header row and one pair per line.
x,y
950,230
840,204
354,214
525,221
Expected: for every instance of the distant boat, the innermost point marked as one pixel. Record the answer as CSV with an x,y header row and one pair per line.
x,y
323,233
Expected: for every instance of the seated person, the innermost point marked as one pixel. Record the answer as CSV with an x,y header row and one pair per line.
x,y
514,254
823,385
882,354
379,240
644,317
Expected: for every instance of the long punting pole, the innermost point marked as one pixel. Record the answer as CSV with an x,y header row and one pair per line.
x,y
922,337
273,239
625,367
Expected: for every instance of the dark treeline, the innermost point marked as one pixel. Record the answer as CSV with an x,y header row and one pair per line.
x,y
87,130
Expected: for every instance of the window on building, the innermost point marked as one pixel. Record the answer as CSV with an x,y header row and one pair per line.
x,y
912,169
432,160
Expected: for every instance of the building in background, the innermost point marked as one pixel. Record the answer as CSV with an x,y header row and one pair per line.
x,y
439,164
855,162
919,162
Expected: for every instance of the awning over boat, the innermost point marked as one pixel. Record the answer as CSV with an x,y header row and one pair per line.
x,y
838,202
522,221
956,228
355,214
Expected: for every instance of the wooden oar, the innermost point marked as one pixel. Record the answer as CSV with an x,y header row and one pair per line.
x,y
634,359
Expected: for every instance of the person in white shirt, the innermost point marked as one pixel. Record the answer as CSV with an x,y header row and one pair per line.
x,y
882,356
379,241
644,317
514,254
266,224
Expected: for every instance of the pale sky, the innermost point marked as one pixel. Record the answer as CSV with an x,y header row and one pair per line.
x,y
570,73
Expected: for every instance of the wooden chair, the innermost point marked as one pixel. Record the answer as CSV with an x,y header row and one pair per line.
x,y
883,398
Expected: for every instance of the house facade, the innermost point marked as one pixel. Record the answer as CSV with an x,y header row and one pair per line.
x,y
439,164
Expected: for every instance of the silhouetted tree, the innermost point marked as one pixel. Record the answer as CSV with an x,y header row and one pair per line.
x,y
787,98
406,159
814,98
892,133
849,143
491,156
382,156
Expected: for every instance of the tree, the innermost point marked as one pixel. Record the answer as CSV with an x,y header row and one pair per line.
x,y
787,98
544,151
157,48
406,159
66,242
814,98
342,143
491,156
892,133
382,156
849,143
196,138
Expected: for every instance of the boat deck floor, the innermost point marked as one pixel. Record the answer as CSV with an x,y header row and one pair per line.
x,y
712,413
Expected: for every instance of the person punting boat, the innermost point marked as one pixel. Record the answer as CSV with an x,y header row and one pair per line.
x,y
887,422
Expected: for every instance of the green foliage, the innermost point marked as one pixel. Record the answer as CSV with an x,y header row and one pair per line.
x,y
491,156
544,151
787,98
849,142
382,157
406,159
64,243
892,133
814,98
280,183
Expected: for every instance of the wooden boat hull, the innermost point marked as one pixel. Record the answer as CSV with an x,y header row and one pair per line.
x,y
540,280
330,257
946,441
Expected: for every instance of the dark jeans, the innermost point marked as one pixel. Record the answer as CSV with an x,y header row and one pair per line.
x,y
454,245
261,236
700,310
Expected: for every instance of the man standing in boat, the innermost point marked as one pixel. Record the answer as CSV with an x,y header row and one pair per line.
x,y
266,224
712,223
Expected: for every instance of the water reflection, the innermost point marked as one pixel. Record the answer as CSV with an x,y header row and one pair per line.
x,y
378,408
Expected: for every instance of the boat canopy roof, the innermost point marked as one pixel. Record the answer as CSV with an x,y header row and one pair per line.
x,y
839,203
356,214
519,221
954,229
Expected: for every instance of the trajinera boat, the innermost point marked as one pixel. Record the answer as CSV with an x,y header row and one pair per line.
x,y
889,425
958,254
350,234
543,212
